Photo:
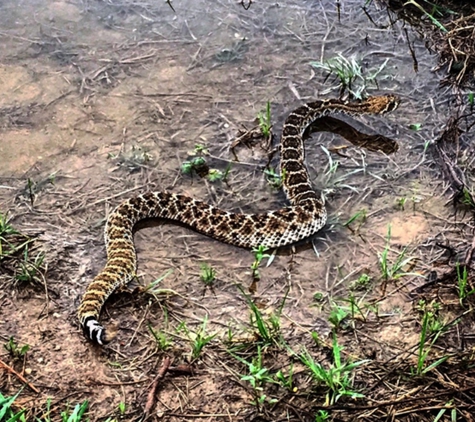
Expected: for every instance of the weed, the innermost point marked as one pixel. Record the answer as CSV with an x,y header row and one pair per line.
x,y
423,351
267,329
415,126
274,179
337,378
361,283
462,283
133,159
196,164
337,315
349,73
430,16
77,413
122,407
215,175
152,288
7,413
401,202
286,381
318,297
322,416
199,150
163,341
467,198
360,215
259,255
265,122
198,339
471,99
29,271
258,375
6,228
393,271
15,350
207,274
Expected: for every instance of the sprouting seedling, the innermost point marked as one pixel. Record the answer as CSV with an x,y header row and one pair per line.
x,y
162,340
462,283
199,339
431,17
275,179
337,377
207,274
423,351
15,350
195,164
259,255
394,270
77,414
265,122
471,99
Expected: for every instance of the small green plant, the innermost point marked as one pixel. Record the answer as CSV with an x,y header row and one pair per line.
x,y
259,255
162,340
338,314
467,198
6,228
415,126
471,99
349,73
153,287
122,408
7,413
322,416
401,202
77,413
393,271
195,164
258,375
429,15
358,216
15,350
462,283
268,330
423,351
29,270
265,122
361,283
274,179
286,381
199,339
215,175
337,378
207,274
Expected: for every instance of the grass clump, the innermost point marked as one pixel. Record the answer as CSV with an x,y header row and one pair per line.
x,y
349,73
337,378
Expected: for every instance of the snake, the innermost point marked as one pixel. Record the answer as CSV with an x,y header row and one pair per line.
x,y
302,218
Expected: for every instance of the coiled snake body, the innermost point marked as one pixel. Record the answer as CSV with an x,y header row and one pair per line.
x,y
305,216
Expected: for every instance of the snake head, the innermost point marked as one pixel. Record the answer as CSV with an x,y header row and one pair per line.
x,y
383,104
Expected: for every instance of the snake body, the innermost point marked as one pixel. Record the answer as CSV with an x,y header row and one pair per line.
x,y
305,215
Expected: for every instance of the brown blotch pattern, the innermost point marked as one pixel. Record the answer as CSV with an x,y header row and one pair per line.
x,y
305,216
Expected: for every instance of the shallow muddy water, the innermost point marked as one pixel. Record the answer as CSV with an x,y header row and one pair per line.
x,y
103,100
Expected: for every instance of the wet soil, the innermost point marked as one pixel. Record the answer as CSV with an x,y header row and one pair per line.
x,y
103,100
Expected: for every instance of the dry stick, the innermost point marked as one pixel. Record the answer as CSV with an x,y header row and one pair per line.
x,y
21,377
151,394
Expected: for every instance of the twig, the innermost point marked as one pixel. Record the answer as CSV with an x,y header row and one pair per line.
x,y
151,394
21,377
